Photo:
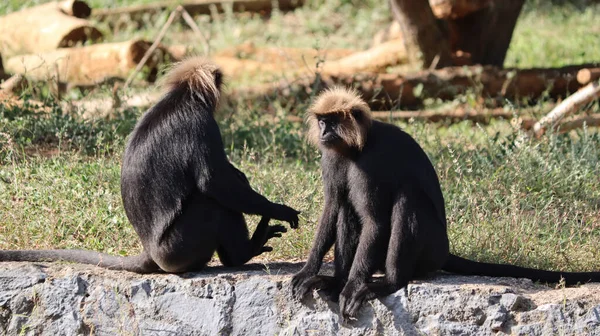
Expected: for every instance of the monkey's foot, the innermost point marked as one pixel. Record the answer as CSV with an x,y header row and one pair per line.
x,y
353,296
259,240
329,287
302,283
275,231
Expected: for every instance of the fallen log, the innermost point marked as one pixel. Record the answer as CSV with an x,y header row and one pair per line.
x,y
44,28
566,125
277,55
302,62
391,32
374,59
390,91
585,76
456,114
76,8
13,84
104,107
194,7
578,122
568,106
87,66
235,67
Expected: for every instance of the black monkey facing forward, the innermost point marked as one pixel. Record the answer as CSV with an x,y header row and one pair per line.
x,y
383,210
180,192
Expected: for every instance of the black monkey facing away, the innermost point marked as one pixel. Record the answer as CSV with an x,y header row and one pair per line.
x,y
180,192
383,210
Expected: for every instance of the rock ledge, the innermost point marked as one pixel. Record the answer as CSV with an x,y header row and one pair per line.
x,y
60,299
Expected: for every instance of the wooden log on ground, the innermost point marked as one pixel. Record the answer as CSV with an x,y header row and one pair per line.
x,y
454,114
453,9
578,122
76,8
390,91
293,62
104,107
391,32
374,59
299,56
194,7
585,76
235,67
43,28
568,106
13,84
87,66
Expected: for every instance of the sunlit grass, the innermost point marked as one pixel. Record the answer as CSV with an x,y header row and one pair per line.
x,y
536,204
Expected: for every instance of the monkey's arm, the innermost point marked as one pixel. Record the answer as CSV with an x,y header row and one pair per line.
x,y
306,278
219,179
231,191
324,238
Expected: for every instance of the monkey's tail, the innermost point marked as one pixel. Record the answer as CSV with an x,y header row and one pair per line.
x,y
463,266
139,264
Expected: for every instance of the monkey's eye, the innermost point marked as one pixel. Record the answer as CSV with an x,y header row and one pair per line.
x,y
356,113
322,123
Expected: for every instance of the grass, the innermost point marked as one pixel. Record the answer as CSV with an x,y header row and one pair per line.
x,y
535,205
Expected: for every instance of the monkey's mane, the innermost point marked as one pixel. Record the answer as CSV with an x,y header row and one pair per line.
x,y
197,74
347,103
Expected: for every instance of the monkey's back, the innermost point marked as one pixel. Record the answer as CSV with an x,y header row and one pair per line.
x,y
165,152
396,156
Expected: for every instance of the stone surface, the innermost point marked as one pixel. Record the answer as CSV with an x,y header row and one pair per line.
x,y
67,299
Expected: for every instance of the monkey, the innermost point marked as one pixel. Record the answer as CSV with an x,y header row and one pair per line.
x,y
181,194
383,210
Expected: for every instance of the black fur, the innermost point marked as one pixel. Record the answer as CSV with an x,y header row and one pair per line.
x,y
181,194
384,210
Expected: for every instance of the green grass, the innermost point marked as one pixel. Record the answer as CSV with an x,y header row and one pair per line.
x,y
536,204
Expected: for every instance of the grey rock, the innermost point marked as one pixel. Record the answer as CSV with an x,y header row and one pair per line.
x,y
254,310
81,300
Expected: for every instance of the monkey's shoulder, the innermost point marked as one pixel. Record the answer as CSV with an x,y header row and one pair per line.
x,y
393,142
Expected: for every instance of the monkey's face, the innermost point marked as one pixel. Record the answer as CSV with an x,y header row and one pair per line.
x,y
329,130
340,120
339,131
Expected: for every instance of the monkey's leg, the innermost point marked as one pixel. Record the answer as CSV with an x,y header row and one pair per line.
x,y
232,191
348,232
370,254
190,240
418,245
235,248
305,279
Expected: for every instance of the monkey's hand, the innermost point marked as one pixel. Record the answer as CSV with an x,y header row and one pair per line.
x,y
354,294
287,214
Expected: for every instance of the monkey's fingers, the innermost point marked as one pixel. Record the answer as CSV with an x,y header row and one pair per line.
x,y
356,301
343,302
302,284
277,228
264,249
294,222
